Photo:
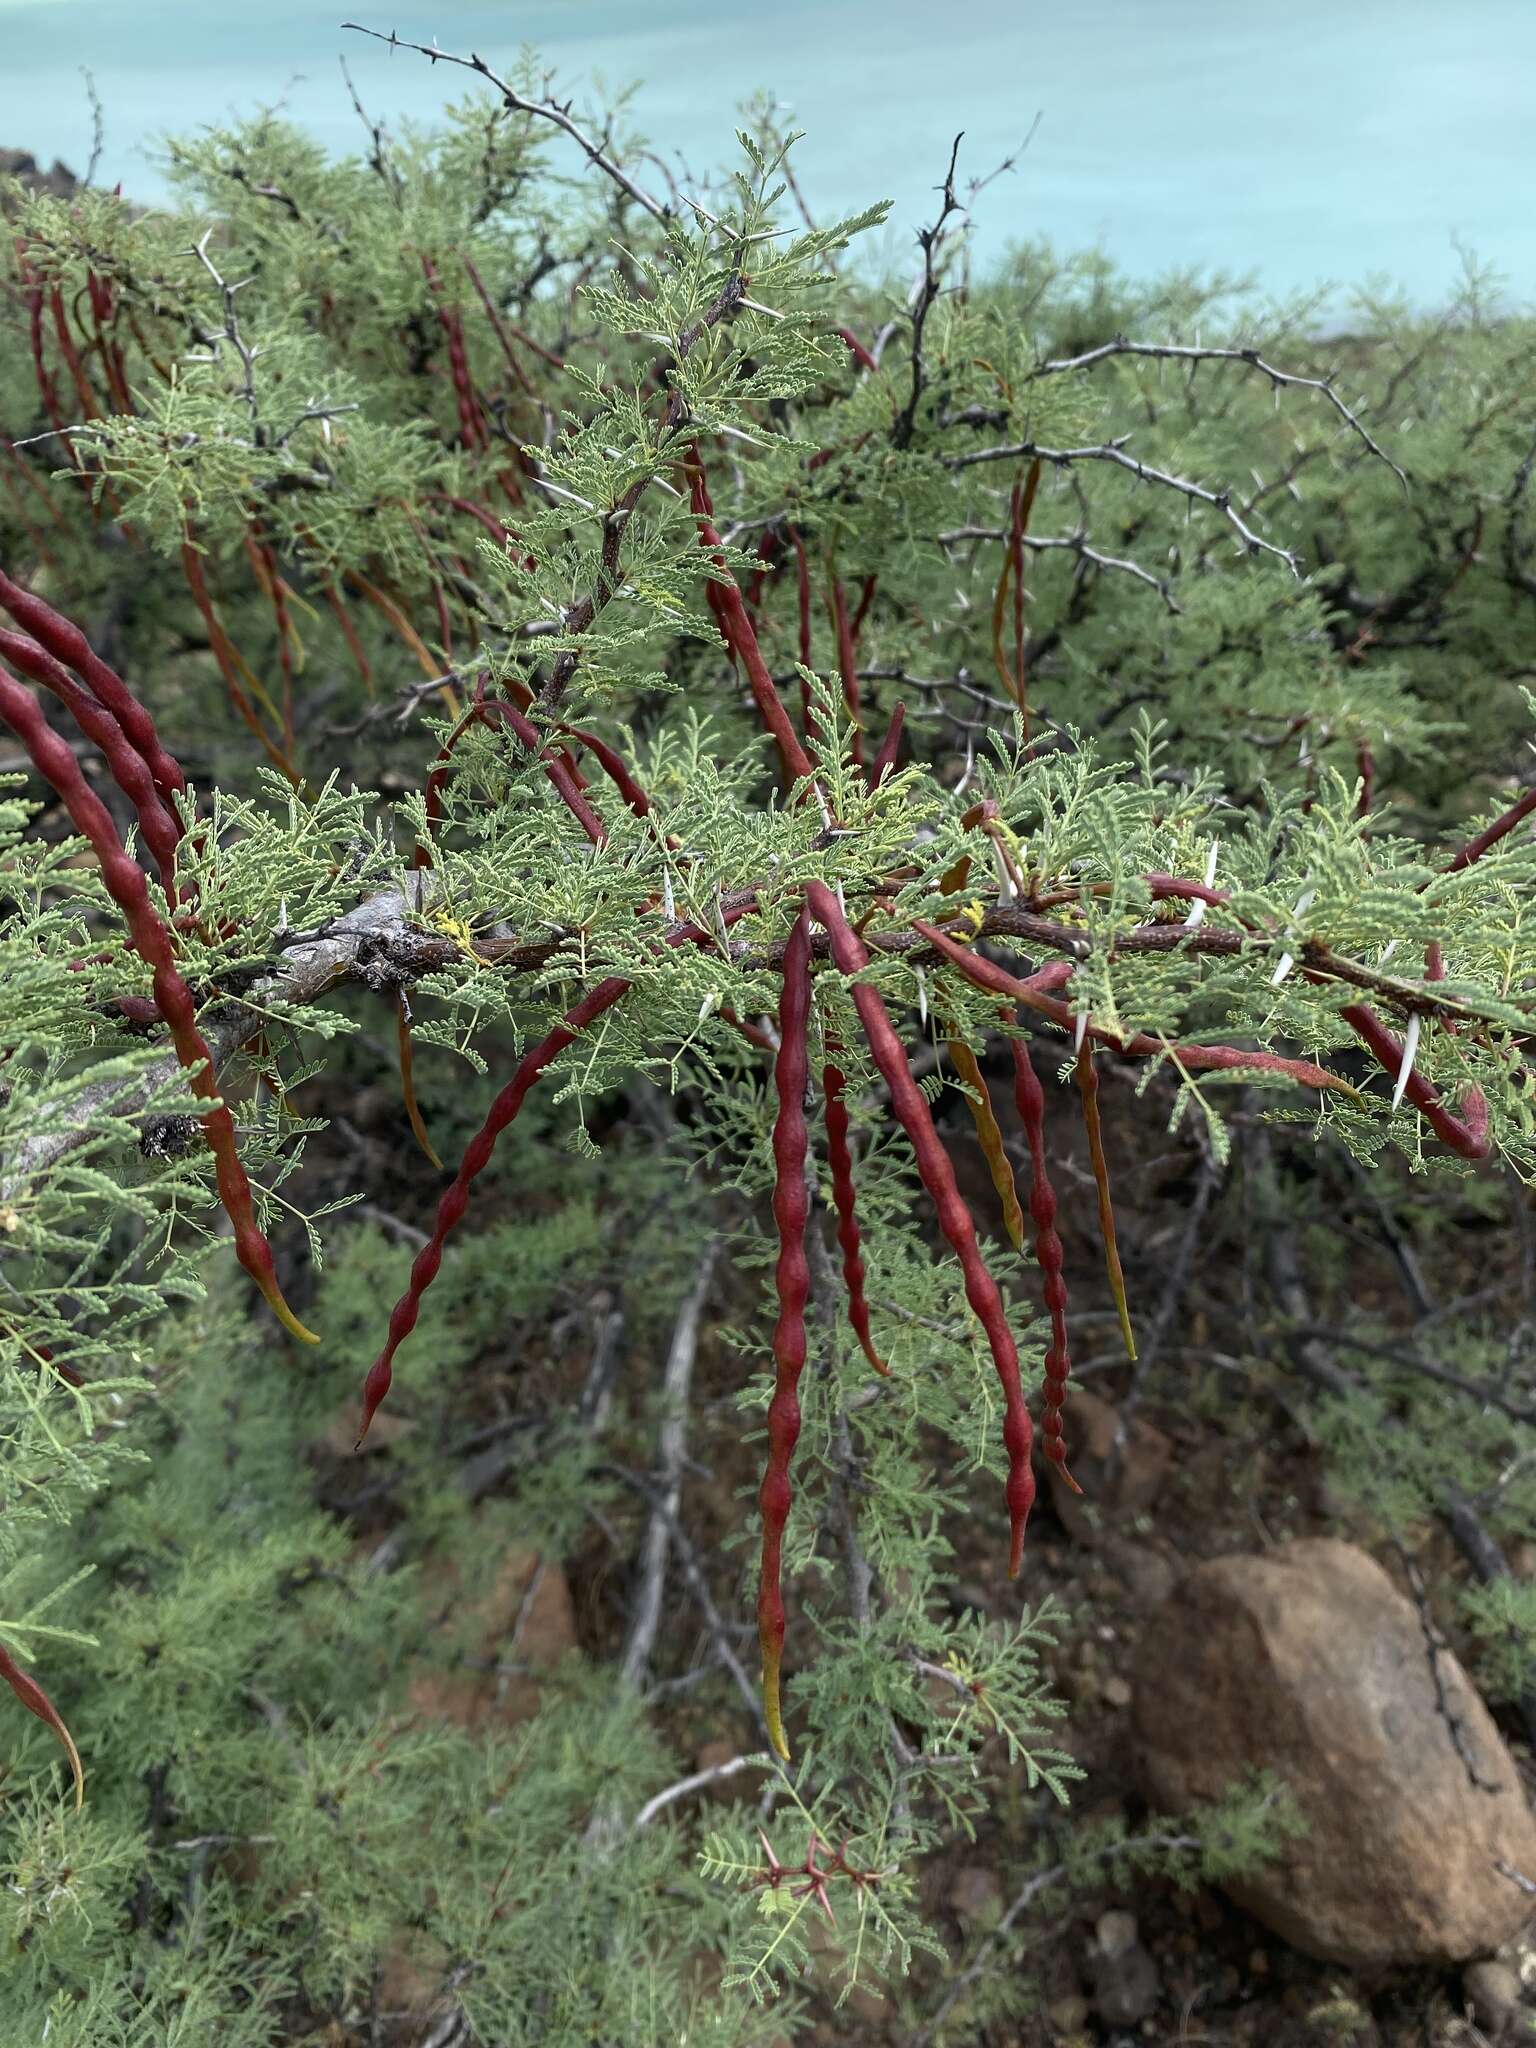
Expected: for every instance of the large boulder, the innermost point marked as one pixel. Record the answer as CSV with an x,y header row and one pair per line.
x,y
1308,1662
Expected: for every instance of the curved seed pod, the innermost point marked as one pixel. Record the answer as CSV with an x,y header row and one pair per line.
x,y
1466,1134
407,1081
129,769
125,883
989,1137
792,1281
559,771
1030,1097
938,1177
36,1701
1086,1075
66,643
455,1201
614,767
840,1160
1196,1058
1476,848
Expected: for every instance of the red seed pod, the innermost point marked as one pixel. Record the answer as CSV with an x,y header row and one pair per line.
x,y
455,1201
614,767
803,586
737,631
792,1280
36,1701
128,768
848,663
66,643
1086,1075
1030,1097
840,1160
559,771
1466,1134
885,760
126,885
938,1177
1033,993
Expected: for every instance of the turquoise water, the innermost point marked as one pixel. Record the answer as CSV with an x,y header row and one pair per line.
x,y
1300,139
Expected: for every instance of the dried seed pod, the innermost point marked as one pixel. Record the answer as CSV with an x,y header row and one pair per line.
x,y
792,1280
407,1080
840,1160
938,1177
989,1137
1086,1074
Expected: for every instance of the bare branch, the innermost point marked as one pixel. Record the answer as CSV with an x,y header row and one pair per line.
x,y
1174,352
545,110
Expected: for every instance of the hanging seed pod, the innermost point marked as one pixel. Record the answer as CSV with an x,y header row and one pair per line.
x,y
885,761
840,1160
66,643
989,1137
737,631
848,664
792,1280
128,768
1030,1097
126,885
455,1201
407,1080
1086,1074
938,1177
36,1701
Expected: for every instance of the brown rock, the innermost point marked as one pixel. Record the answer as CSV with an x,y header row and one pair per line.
x,y
1493,1992
976,1893
1307,1661
1117,1481
1068,2015
496,1642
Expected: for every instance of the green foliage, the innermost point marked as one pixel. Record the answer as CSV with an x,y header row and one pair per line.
x,y
430,420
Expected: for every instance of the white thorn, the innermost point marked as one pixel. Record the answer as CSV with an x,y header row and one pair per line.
x,y
1286,963
1079,1030
922,998
1210,863
1005,880
1387,951
1405,1067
